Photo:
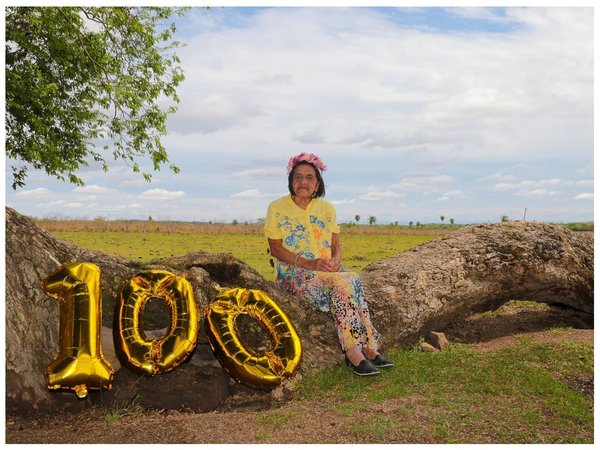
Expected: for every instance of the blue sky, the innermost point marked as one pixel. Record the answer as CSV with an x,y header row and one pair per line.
x,y
470,113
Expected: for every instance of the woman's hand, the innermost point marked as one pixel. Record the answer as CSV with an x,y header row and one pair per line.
x,y
336,263
326,265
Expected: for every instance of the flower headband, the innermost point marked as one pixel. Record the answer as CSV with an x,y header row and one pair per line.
x,y
308,157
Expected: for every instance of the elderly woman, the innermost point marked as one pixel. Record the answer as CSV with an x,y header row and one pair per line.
x,y
303,236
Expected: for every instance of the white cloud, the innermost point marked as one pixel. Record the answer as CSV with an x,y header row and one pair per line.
x,y
478,14
424,182
456,193
579,182
528,184
584,196
263,172
94,189
537,193
250,193
344,202
498,177
212,112
503,186
161,194
34,193
387,101
314,136
551,182
376,195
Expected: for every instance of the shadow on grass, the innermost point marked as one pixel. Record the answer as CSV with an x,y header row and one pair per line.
x,y
516,317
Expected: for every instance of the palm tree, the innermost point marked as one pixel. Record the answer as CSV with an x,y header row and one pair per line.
x,y
442,218
372,220
451,221
357,218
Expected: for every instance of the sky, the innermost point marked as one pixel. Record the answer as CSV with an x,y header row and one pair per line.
x,y
467,113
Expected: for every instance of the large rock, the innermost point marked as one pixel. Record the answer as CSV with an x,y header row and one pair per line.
x,y
421,290
32,317
478,269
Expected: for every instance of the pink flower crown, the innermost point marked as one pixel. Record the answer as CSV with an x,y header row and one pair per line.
x,y
308,157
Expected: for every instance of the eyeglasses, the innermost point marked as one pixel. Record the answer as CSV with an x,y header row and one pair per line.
x,y
298,178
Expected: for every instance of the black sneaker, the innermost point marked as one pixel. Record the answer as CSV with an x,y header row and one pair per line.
x,y
364,368
381,362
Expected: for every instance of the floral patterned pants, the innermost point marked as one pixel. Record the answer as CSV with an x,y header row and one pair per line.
x,y
339,293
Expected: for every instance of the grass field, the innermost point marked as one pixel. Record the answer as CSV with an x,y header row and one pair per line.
x,y
523,393
510,395
358,249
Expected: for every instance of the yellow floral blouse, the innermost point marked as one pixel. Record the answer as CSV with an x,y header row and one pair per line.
x,y
303,231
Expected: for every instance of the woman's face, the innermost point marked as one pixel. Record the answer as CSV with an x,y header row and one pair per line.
x,y
304,181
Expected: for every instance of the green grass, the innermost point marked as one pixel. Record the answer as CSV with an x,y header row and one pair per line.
x,y
119,410
359,250
274,419
145,247
377,426
511,395
514,395
580,226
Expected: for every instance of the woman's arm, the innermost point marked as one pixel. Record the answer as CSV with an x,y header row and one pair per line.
x,y
284,255
336,252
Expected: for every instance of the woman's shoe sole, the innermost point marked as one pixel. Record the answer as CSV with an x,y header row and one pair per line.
x,y
371,374
385,366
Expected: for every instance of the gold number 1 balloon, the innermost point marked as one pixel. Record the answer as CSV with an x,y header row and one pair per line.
x,y
79,365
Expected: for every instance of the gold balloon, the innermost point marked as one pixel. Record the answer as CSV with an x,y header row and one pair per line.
x,y
80,364
166,353
263,371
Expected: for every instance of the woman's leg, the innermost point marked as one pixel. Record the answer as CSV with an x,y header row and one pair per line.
x,y
354,355
348,309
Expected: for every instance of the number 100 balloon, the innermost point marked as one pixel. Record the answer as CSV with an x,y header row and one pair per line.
x,y
80,365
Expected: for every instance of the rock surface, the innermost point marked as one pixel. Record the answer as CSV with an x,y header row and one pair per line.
x,y
437,340
476,269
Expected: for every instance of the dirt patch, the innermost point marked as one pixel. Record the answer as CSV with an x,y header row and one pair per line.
x,y
316,421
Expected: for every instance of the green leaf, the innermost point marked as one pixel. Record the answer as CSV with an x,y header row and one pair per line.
x,y
69,84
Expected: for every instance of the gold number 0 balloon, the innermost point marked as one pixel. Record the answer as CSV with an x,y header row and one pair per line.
x,y
79,365
164,354
263,371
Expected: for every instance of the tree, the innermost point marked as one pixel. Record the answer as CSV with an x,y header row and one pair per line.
x,y
504,218
451,221
410,224
357,218
78,76
442,218
372,220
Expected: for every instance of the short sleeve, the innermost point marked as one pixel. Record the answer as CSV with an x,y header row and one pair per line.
x,y
334,227
272,229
